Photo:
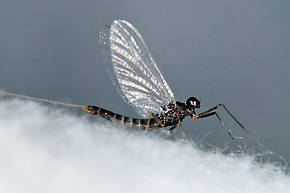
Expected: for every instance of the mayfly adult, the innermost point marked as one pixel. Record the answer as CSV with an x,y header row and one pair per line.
x,y
140,83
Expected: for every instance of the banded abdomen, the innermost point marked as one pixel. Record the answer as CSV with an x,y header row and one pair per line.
x,y
127,121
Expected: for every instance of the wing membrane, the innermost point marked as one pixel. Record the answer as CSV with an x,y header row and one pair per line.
x,y
133,70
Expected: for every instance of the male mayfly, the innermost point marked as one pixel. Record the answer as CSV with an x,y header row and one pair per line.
x,y
140,83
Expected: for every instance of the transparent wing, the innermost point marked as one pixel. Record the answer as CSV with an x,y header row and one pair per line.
x,y
133,70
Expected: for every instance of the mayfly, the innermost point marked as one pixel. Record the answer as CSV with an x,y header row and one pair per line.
x,y
141,84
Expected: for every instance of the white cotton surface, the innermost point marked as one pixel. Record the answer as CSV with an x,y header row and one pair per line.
x,y
45,149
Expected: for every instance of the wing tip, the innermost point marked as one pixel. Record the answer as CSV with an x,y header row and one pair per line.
x,y
122,22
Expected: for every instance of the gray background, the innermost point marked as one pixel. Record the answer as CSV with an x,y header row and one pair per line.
x,y
231,52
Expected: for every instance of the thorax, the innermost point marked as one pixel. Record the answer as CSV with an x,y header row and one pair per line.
x,y
172,114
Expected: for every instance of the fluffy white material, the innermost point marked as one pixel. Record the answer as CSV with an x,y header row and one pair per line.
x,y
51,150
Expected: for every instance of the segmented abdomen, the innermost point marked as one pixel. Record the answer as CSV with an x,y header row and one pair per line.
x,y
127,121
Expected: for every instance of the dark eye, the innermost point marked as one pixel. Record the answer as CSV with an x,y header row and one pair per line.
x,y
193,102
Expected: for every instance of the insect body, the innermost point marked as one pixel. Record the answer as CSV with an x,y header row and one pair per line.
x,y
171,115
140,83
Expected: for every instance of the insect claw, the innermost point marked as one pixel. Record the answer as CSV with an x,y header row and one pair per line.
x,y
86,109
193,116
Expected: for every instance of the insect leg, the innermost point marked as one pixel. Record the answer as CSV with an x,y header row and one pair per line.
x,y
238,122
172,128
210,110
156,119
148,127
222,123
148,123
182,131
254,138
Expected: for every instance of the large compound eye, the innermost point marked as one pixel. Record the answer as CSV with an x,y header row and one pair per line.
x,y
193,102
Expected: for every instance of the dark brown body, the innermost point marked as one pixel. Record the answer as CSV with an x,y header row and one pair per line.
x,y
170,116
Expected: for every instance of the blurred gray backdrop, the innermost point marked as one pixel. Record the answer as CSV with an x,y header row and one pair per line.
x,y
231,52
